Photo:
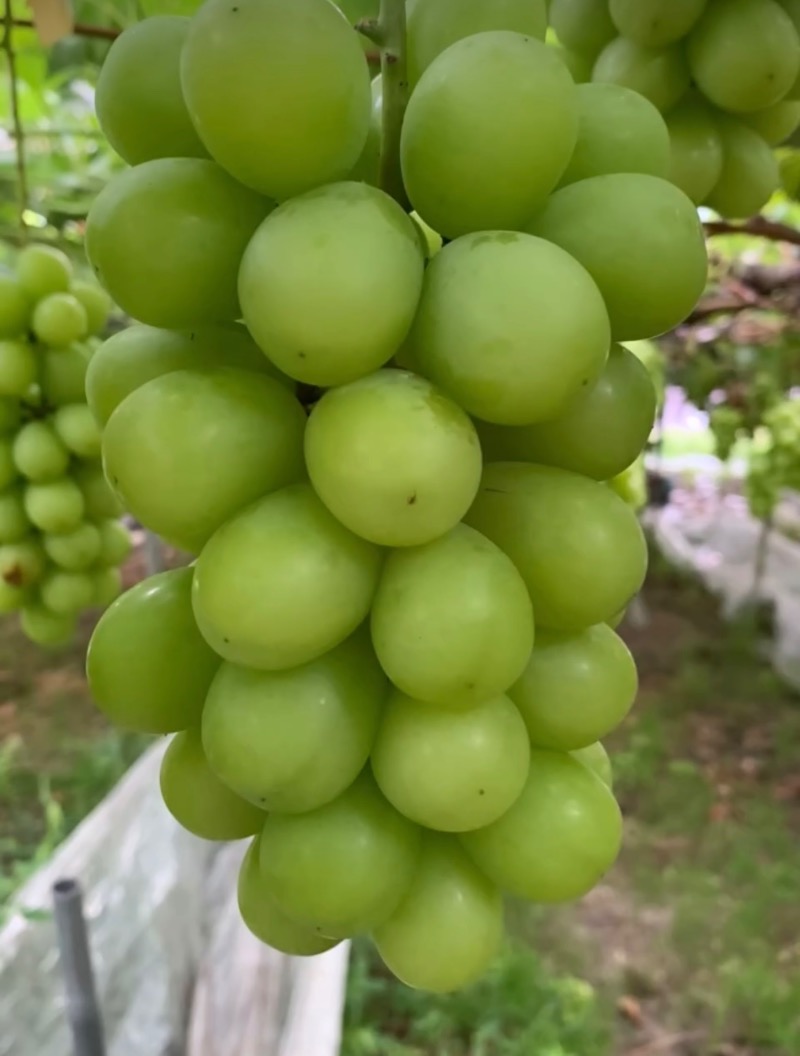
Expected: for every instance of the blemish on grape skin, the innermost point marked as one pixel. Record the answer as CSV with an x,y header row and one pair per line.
x,y
412,499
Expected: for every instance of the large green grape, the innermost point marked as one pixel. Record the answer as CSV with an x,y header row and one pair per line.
x,y
559,838
139,100
577,545
42,270
510,326
744,54
283,582
17,368
775,123
280,93
60,319
341,869
15,308
330,283
488,132
602,431
66,593
433,25
452,621
292,741
619,131
148,666
695,148
189,449
576,688
659,74
451,770
56,506
750,173
392,459
138,354
583,26
595,757
39,453
449,926
196,797
166,238
640,239
262,915
655,23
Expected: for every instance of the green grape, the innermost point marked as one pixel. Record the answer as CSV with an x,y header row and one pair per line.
x,y
188,450
775,123
750,174
343,868
583,26
263,917
696,149
17,368
61,375
392,459
8,469
147,665
618,131
631,485
39,453
96,303
579,66
11,598
558,840
578,547
433,25
67,592
367,168
139,101
451,770
449,927
15,308
283,582
640,239
75,550
14,523
294,740
305,67
792,9
22,564
196,797
99,499
60,319
42,270
659,74
602,431
595,757
107,584
75,426
489,299
46,628
576,687
655,23
55,506
452,622
166,238
115,543
10,414
487,134
744,54
138,354
330,283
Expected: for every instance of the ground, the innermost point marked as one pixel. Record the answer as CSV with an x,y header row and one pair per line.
x,y
689,948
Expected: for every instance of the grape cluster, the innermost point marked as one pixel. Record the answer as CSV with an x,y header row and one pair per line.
x,y
724,73
349,665
60,544
774,462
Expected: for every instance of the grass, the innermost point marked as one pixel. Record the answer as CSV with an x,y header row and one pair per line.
x,y
690,947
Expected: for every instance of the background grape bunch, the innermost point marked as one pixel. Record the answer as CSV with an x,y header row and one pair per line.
x,y
724,73
60,542
392,661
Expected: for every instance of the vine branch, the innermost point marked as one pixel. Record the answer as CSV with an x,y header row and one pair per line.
x,y
759,226
16,118
390,35
80,29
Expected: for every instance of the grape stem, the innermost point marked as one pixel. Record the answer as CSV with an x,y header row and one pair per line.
x,y
16,117
78,30
390,35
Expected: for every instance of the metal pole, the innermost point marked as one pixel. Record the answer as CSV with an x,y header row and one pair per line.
x,y
76,969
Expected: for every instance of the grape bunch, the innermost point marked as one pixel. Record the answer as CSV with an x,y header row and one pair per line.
x,y
60,542
774,461
392,662
725,74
